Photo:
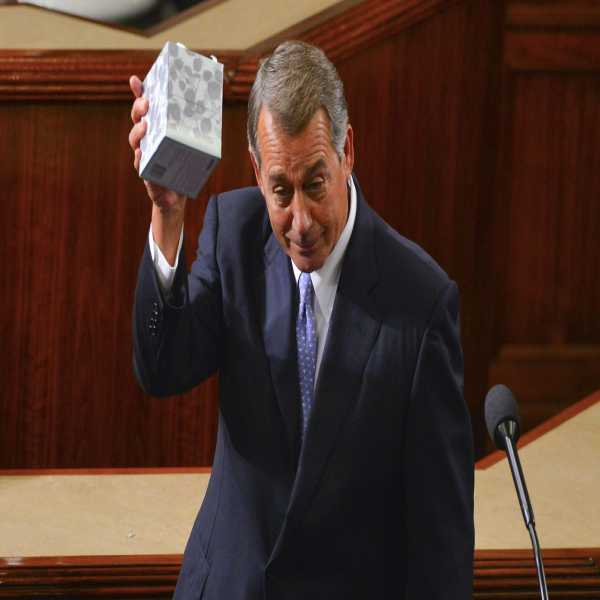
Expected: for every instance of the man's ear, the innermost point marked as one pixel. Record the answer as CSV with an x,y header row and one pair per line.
x,y
256,170
349,151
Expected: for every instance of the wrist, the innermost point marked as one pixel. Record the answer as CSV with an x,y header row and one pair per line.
x,y
166,230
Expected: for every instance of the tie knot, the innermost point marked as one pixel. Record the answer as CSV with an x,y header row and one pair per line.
x,y
306,288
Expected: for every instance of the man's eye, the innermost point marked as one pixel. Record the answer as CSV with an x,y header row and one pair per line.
x,y
315,185
282,194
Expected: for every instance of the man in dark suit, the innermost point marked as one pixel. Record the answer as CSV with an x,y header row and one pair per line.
x,y
343,466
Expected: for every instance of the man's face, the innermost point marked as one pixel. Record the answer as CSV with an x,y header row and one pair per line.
x,y
304,183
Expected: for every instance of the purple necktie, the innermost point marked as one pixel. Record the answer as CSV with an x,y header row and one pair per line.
x,y
306,340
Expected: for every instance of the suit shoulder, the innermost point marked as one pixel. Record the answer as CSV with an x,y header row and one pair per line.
x,y
241,220
411,280
238,206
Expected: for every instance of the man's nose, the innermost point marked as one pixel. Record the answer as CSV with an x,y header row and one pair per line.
x,y
302,221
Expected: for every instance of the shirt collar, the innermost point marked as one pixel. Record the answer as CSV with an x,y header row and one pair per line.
x,y
326,278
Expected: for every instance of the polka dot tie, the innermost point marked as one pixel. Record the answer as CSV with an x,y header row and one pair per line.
x,y
306,340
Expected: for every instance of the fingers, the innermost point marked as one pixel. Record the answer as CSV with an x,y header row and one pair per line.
x,y
136,86
139,109
137,132
137,157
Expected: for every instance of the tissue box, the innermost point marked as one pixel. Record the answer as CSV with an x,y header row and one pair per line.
x,y
182,144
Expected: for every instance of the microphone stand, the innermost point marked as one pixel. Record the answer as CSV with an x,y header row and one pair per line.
x,y
508,431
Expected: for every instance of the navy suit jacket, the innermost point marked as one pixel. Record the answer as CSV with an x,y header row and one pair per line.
x,y
378,501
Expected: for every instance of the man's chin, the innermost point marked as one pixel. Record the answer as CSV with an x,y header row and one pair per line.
x,y
307,263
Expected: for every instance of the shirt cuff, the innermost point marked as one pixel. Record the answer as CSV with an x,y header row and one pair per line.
x,y
164,271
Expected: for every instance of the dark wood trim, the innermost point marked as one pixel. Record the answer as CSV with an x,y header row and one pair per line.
x,y
540,430
507,574
570,52
85,576
121,471
299,29
124,560
93,75
350,32
549,553
77,75
571,573
345,34
562,14
531,352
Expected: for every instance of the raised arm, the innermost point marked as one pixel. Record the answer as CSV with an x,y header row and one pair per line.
x,y
177,332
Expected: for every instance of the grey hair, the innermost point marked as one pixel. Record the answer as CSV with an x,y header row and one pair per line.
x,y
293,83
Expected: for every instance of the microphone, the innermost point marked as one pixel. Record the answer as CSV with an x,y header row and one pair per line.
x,y
503,424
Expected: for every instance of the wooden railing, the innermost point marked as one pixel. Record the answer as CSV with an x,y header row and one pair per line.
x,y
508,574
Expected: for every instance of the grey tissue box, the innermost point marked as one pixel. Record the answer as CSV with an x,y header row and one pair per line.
x,y
182,144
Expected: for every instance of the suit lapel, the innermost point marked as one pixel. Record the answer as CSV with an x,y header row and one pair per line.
x,y
352,333
279,306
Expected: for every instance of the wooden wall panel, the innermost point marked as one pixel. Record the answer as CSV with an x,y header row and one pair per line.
x,y
78,217
74,224
553,284
421,78
476,127
546,334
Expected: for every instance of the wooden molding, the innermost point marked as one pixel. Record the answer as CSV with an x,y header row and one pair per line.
x,y
571,573
85,576
345,34
107,471
539,50
89,75
93,75
560,14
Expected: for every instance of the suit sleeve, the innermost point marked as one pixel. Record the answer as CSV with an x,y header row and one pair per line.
x,y
438,465
177,337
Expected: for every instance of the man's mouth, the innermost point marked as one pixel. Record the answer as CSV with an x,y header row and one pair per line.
x,y
305,247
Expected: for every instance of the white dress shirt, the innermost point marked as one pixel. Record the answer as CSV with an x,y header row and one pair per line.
x,y
325,280
164,271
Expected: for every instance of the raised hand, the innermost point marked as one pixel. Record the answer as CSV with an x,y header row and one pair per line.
x,y
168,206
160,196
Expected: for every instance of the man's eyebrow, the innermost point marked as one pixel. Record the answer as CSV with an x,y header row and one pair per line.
x,y
280,177
277,177
320,164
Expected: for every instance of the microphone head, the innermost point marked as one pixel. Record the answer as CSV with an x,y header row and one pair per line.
x,y
501,406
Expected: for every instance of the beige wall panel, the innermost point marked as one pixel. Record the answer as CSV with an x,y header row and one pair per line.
x,y
231,25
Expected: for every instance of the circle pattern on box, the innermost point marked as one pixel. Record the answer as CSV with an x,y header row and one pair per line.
x,y
185,92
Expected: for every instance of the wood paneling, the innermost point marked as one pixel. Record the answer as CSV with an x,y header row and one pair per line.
x,y
116,577
546,231
80,218
476,126
552,50
512,574
75,221
497,574
83,76
560,14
